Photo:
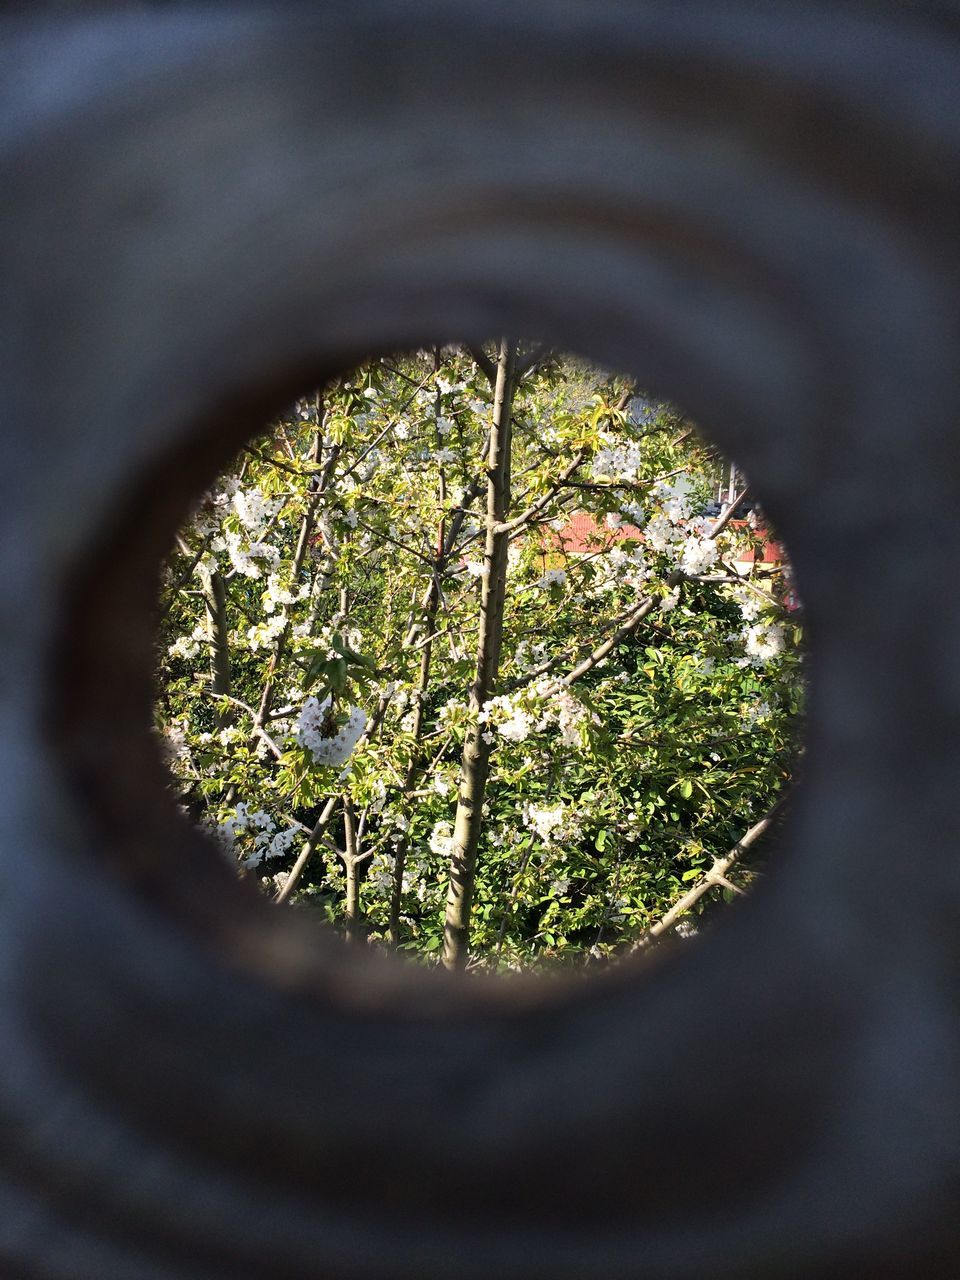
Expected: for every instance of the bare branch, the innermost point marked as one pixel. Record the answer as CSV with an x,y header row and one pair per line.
x,y
526,517
483,362
256,728
313,839
716,875
532,359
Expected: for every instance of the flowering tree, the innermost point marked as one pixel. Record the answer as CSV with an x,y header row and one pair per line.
x,y
395,686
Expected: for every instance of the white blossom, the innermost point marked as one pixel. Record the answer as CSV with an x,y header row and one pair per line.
x,y
276,595
185,647
670,600
660,534
756,711
676,499
263,634
764,643
244,559
510,720
698,554
329,739
618,459
253,509
570,714
441,839
381,872
517,728
750,603
544,819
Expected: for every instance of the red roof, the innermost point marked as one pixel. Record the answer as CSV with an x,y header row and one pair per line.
x,y
582,535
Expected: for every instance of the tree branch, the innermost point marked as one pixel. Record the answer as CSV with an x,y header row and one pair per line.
x,y
256,728
483,362
716,875
526,517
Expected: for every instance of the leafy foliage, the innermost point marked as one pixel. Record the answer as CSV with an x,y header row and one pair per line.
x,y
340,562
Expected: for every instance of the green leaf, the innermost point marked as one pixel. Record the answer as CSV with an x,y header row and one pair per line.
x,y
338,675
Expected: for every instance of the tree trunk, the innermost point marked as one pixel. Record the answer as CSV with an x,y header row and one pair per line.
x,y
413,772
221,680
476,751
352,865
300,555
424,621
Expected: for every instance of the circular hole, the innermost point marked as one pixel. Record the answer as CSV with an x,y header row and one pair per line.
x,y
102,704
483,654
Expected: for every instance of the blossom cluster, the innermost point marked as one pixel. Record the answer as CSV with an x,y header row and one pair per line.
x,y
253,509
551,822
762,641
267,840
627,567
441,839
671,529
188,647
383,870
619,459
539,705
262,635
330,739
420,874
546,821
244,559
278,596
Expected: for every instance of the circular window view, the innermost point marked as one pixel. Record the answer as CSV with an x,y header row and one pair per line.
x,y
485,655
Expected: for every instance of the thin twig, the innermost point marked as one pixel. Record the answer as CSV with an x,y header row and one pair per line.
x,y
258,729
